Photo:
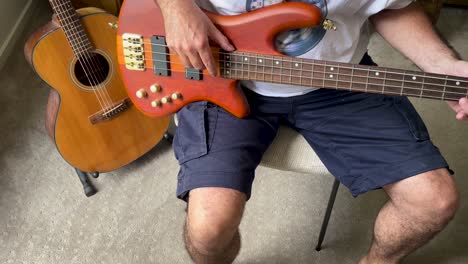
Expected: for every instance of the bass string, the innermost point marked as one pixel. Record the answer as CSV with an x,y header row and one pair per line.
x,y
312,72
315,62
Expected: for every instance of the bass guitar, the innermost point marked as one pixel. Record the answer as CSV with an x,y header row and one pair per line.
x,y
89,116
159,84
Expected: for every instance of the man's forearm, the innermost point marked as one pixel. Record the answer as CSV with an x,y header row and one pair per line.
x,y
167,5
410,31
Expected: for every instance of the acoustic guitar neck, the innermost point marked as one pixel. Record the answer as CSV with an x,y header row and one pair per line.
x,y
71,26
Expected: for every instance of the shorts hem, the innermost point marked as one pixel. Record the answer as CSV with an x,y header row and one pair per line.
x,y
239,181
393,175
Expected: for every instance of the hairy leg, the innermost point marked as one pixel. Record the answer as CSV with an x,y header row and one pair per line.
x,y
211,232
418,209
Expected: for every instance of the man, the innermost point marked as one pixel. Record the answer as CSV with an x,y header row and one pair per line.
x,y
366,141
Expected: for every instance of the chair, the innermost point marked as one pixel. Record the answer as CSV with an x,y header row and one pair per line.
x,y
291,152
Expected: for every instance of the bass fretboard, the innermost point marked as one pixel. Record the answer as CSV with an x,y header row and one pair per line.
x,y
342,76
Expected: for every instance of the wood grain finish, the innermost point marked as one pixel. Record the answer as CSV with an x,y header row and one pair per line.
x,y
256,59
105,146
253,31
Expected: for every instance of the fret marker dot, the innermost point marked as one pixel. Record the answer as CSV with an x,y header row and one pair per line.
x,y
260,60
246,59
377,73
331,75
227,72
457,83
227,64
414,78
227,57
332,69
277,62
297,65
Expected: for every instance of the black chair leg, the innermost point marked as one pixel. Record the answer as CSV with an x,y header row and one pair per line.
x,y
331,202
89,189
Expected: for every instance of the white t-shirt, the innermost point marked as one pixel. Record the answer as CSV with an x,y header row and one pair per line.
x,y
347,44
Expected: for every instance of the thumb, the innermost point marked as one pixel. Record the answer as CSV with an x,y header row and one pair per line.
x,y
219,38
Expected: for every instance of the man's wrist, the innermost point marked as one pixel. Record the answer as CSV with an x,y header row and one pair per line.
x,y
443,65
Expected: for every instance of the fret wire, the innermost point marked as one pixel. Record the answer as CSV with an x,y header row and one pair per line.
x,y
352,78
324,74
66,24
367,80
402,85
385,78
272,66
422,86
383,86
59,5
324,78
337,76
370,69
403,74
301,71
466,96
290,69
445,87
362,90
264,61
64,18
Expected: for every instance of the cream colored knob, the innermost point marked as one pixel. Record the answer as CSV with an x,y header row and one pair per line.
x,y
176,96
165,100
156,103
155,88
141,93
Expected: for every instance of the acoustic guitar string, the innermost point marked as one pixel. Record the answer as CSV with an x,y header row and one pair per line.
x,y
77,50
95,65
80,51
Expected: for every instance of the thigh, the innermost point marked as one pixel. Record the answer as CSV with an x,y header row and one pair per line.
x,y
216,149
368,140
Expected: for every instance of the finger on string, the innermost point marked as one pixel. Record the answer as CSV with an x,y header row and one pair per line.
x,y
185,60
195,61
208,60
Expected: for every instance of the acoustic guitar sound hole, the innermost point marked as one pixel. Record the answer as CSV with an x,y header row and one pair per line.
x,y
91,69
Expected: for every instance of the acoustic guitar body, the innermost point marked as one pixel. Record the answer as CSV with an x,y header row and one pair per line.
x,y
102,145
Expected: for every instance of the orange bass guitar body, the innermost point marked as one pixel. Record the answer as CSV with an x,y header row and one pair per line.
x,y
156,94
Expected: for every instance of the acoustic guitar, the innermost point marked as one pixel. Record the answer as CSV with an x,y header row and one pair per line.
x,y
90,118
159,84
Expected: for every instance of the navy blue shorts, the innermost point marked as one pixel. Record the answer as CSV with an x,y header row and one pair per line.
x,y
365,140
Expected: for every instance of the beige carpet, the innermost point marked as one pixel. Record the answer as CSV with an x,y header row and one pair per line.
x,y
136,218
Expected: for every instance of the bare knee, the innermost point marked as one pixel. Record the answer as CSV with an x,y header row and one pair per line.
x,y
212,226
210,236
444,205
432,198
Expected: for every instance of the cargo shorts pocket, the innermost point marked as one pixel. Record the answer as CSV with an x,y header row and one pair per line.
x,y
415,123
193,133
